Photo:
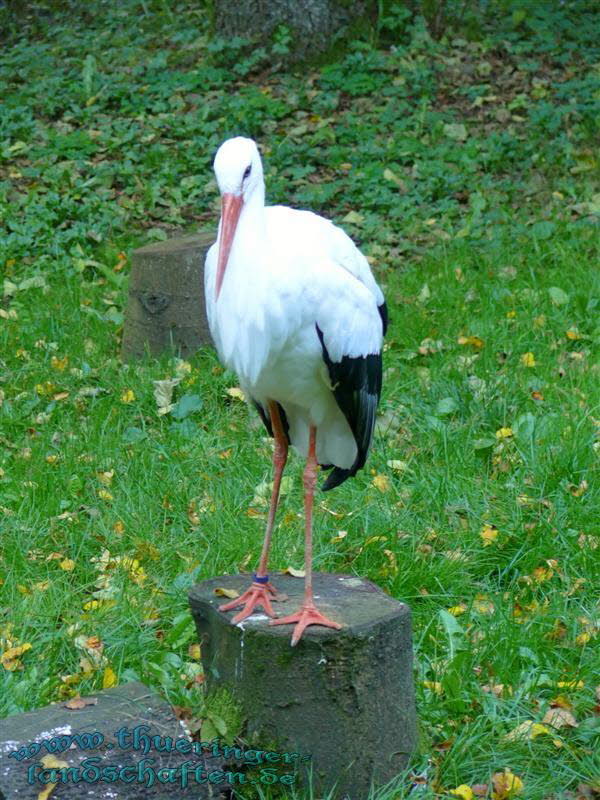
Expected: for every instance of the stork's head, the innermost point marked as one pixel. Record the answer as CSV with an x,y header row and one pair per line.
x,y
239,174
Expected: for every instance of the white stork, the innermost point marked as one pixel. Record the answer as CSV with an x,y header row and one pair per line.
x,y
294,310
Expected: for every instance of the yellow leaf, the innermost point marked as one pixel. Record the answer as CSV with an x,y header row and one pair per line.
x,y
381,482
583,638
52,762
295,573
457,610
340,535
527,730
10,659
105,495
528,360
374,540
52,459
573,334
511,314
118,527
435,686
463,791
194,651
59,363
236,393
570,684
489,534
109,678
230,593
506,785
482,605
128,396
106,477
67,564
473,341
504,433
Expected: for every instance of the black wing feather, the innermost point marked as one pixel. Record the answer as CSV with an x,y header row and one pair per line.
x,y
266,418
383,313
356,386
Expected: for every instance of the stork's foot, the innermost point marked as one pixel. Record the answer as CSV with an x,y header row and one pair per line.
x,y
308,615
259,594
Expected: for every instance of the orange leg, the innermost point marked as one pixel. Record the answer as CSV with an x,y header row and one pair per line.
x,y
261,591
308,614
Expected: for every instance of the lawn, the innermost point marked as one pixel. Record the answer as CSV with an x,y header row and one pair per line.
x,y
467,170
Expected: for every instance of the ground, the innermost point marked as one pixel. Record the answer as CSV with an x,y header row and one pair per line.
x,y
467,171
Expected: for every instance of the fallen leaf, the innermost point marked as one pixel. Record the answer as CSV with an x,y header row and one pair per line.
x,y
489,534
295,573
473,341
506,785
236,393
109,678
128,396
398,466
163,394
10,659
457,610
67,564
381,482
435,686
50,762
527,730
504,433
528,360
463,791
194,651
560,718
230,593
577,491
77,703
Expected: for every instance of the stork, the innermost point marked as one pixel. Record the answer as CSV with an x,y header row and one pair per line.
x,y
295,311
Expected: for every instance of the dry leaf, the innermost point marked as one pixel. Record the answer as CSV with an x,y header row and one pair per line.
x,y
109,678
295,573
67,564
397,466
489,534
128,396
435,686
236,393
230,593
381,482
457,610
77,703
506,785
504,433
560,718
473,341
163,394
463,791
10,659
528,360
527,730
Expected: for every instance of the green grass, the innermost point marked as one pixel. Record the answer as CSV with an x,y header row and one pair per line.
x,y
488,231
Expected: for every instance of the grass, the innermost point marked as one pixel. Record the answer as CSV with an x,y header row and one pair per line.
x,y
467,172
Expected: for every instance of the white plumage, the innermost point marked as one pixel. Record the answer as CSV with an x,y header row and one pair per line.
x,y
289,271
294,310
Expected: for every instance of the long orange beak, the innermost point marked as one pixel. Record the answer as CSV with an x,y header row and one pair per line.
x,y
231,205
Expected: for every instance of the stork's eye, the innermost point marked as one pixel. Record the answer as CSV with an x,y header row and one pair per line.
x,y
247,171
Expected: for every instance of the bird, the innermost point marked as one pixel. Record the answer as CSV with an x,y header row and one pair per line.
x,y
295,311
